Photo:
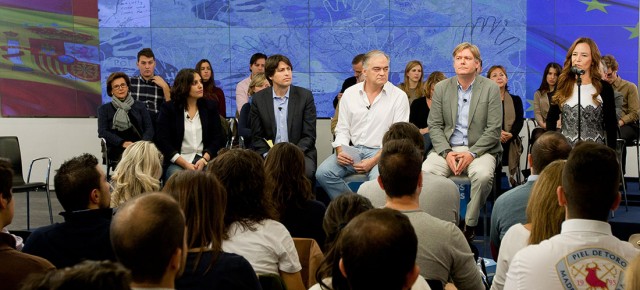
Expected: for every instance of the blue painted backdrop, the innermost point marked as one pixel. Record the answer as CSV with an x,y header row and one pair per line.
x,y
322,36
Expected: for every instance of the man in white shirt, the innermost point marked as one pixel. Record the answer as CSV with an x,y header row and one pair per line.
x,y
585,255
256,66
367,110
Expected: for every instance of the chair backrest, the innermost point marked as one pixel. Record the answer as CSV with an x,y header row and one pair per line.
x,y
10,149
310,256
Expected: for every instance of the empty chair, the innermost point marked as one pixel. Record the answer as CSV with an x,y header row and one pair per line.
x,y
10,149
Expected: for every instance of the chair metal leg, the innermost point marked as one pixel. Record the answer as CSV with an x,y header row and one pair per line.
x,y
28,214
49,203
624,189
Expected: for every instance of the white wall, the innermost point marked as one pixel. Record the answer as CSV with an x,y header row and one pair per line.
x,y
63,138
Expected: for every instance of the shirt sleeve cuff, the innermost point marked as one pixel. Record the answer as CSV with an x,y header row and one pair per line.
x,y
175,157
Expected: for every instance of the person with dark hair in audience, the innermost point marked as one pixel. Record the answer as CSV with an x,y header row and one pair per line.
x,y
443,251
203,199
291,193
356,66
378,251
249,219
95,275
367,110
149,237
542,97
148,88
464,126
589,191
596,105
440,199
84,193
123,120
510,208
211,91
258,83
285,113
15,266
191,132
419,111
512,121
256,66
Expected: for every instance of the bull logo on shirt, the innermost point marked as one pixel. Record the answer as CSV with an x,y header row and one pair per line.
x,y
592,269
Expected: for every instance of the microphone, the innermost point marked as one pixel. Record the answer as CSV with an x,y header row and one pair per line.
x,y
577,71
280,109
464,100
368,107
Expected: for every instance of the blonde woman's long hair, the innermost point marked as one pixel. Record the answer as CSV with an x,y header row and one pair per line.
x,y
543,211
138,172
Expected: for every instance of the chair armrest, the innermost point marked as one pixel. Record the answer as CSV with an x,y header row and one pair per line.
x,y
46,174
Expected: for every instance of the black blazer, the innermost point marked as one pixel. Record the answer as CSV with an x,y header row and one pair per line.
x,y
608,109
140,119
170,128
301,120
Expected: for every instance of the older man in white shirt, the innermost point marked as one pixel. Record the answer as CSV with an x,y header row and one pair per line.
x,y
367,110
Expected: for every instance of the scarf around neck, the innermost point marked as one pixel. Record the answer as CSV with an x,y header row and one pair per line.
x,y
121,120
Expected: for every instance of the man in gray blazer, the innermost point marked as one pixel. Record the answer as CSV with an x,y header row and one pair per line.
x,y
464,123
284,113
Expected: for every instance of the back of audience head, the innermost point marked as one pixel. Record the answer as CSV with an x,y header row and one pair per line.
x,y
98,275
590,182
242,174
543,211
547,148
138,171
203,200
6,183
379,243
148,237
400,168
340,211
286,182
405,131
82,184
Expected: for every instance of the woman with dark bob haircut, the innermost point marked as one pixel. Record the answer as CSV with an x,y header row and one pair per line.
x,y
189,131
249,218
203,201
291,193
123,120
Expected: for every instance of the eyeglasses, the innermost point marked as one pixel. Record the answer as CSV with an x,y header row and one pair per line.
x,y
121,86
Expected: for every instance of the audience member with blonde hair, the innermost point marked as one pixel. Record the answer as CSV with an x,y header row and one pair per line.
x,y
544,219
203,200
258,83
291,193
138,172
412,84
249,218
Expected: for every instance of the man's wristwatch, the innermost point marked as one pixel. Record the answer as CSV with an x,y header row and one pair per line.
x,y
473,154
445,152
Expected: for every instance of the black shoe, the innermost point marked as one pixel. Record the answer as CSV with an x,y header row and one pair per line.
x,y
469,233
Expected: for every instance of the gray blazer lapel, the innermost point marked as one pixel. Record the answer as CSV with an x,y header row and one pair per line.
x,y
453,99
475,97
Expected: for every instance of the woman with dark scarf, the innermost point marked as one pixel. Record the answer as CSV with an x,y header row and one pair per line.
x,y
512,121
123,120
